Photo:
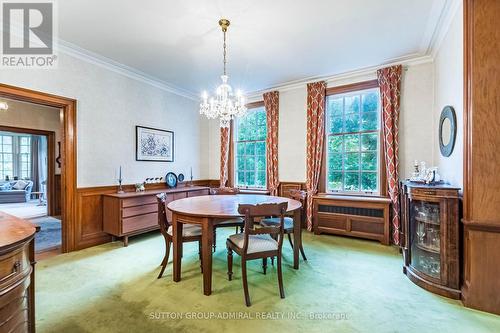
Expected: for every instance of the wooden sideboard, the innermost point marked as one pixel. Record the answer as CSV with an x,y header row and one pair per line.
x,y
17,275
363,217
134,213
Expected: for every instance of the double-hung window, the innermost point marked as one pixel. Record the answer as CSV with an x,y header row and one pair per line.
x,y
15,156
353,142
250,149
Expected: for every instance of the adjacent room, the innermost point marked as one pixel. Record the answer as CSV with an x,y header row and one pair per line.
x,y
221,166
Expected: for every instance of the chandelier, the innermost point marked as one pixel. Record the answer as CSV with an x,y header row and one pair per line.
x,y
224,105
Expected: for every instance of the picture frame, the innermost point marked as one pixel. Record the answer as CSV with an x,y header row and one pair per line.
x,y
154,144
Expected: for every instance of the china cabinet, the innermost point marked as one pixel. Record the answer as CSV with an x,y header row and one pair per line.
x,y
431,239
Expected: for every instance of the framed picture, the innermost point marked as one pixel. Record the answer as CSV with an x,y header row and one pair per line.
x,y
154,144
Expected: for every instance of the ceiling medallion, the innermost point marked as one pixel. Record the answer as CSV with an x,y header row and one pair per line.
x,y
224,105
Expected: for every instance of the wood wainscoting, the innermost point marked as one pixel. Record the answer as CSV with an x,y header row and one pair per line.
x,y
481,220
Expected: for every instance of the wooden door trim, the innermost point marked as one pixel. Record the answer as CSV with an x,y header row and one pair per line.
x,y
68,152
51,156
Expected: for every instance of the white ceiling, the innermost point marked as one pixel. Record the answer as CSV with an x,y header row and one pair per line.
x,y
269,42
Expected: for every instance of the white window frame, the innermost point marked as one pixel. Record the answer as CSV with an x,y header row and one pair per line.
x,y
379,141
16,155
235,153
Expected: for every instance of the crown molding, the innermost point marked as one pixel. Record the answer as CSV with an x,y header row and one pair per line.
x,y
353,76
119,68
448,13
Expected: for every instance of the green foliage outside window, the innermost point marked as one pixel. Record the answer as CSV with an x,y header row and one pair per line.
x,y
251,134
353,141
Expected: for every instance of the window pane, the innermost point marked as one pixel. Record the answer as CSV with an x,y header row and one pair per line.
x,y
240,148
261,117
335,181
369,181
261,163
369,161
261,178
7,157
369,141
335,106
250,148
7,140
352,181
351,161
260,148
351,104
352,123
370,101
261,133
241,163
369,121
335,162
24,140
351,142
335,143
336,125
241,179
250,163
250,178
7,148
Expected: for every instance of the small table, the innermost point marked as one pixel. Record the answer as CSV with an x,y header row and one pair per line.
x,y
206,211
40,198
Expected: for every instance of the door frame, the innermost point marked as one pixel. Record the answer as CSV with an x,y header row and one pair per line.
x,y
51,168
68,152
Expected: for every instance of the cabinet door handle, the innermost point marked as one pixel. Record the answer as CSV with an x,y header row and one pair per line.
x,y
15,270
430,192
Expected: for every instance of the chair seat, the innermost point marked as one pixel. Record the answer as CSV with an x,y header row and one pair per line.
x,y
230,222
256,243
273,221
188,230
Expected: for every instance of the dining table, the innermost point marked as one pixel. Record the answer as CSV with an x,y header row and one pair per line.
x,y
209,210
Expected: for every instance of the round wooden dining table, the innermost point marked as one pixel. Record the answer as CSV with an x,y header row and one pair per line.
x,y
206,211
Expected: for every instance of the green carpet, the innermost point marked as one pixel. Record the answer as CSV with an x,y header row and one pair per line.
x,y
347,285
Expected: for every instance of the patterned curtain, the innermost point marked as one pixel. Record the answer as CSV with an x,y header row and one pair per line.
x,y
271,102
389,80
315,136
224,155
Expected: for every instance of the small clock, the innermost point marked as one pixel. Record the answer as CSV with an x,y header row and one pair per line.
x,y
180,177
171,180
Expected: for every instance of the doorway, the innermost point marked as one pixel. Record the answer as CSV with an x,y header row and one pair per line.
x,y
65,154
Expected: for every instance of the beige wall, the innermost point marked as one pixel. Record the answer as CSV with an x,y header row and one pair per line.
x,y
449,91
416,142
32,116
109,107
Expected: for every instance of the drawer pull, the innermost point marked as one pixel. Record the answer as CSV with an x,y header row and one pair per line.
x,y
430,192
15,270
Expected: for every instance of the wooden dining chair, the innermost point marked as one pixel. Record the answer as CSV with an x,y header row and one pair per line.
x,y
190,232
257,243
298,195
234,222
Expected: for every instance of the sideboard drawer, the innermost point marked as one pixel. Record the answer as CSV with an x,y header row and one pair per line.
x,y
197,193
139,210
13,265
137,201
137,223
180,195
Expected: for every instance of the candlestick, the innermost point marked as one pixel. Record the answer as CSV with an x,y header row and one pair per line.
x,y
120,179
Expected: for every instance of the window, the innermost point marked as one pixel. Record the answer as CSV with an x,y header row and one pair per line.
x,y
6,156
24,157
353,141
15,156
250,149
